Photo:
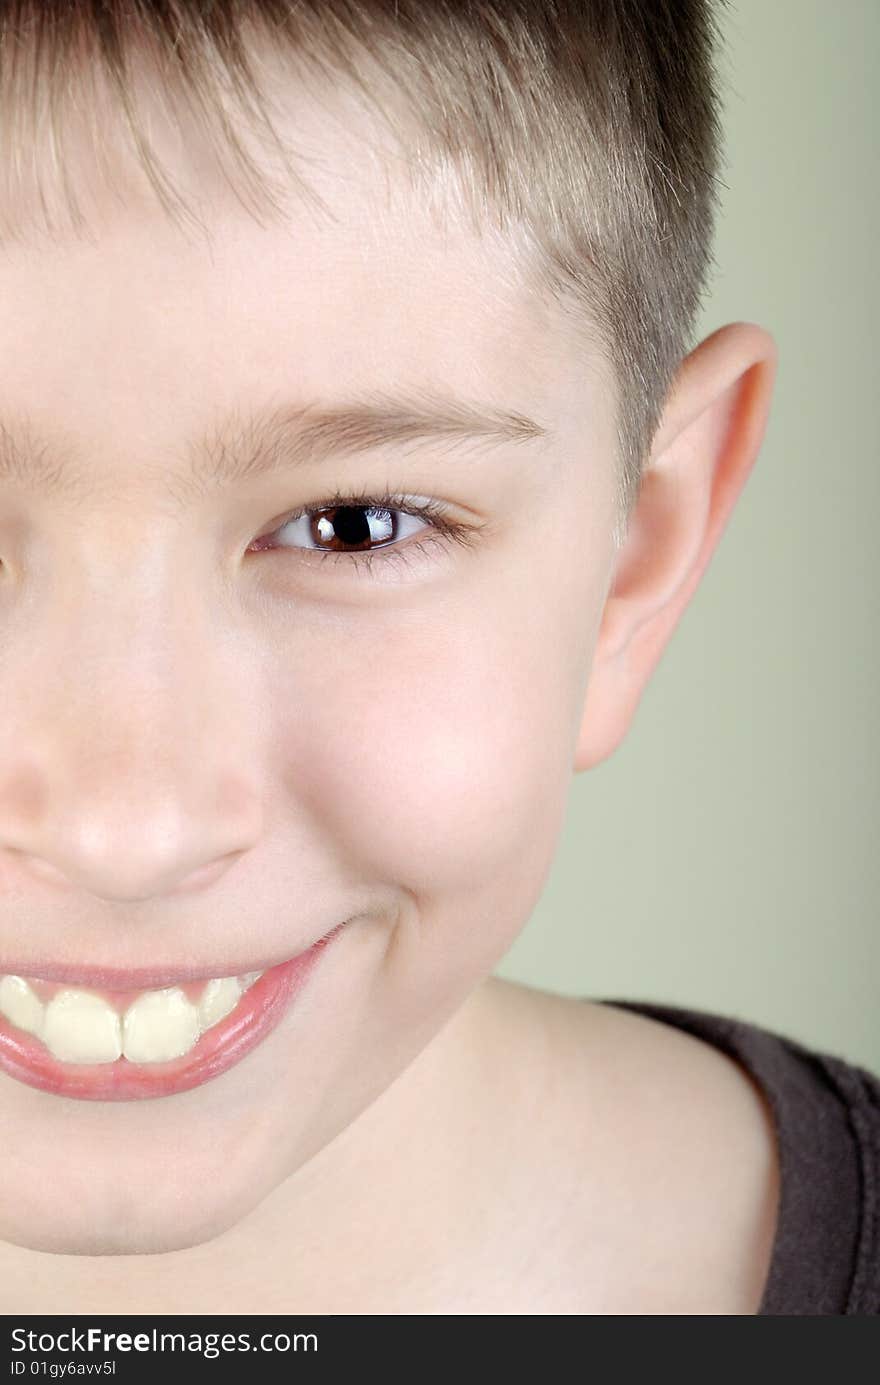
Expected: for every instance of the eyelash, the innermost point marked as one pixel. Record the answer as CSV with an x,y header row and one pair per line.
x,y
442,530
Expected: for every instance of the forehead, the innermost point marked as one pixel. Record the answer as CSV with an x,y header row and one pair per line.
x,y
366,282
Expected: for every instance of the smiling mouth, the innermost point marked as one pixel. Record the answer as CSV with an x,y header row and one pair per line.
x,y
85,1025
100,1044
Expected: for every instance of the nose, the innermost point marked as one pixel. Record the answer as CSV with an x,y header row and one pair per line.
x,y
113,839
123,770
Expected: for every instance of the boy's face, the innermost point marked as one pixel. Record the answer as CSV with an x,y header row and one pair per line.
x,y
212,752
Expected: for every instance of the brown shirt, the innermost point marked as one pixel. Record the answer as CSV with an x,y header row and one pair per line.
x,y
826,1254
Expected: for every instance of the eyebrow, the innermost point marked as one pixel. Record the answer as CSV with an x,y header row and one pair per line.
x,y
246,444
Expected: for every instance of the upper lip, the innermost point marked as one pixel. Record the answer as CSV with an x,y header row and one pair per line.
x,y
128,978
137,978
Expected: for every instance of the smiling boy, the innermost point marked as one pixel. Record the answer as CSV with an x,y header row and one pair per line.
x,y
333,540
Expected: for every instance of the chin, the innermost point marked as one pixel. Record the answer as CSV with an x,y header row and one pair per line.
x,y
126,1224
85,1191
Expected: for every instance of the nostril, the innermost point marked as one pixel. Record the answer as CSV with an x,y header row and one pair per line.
x,y
206,875
201,878
37,865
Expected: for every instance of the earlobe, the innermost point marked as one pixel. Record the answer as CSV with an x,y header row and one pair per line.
x,y
705,446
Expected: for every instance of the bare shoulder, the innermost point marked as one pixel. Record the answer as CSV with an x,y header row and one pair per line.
x,y
667,1154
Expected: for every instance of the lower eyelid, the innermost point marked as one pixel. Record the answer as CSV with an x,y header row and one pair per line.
x,y
400,554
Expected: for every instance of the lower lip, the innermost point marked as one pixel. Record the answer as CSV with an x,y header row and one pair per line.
x,y
260,1009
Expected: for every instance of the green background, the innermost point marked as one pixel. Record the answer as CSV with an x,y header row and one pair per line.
x,y
725,858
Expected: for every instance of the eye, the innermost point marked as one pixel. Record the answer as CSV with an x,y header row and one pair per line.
x,y
360,529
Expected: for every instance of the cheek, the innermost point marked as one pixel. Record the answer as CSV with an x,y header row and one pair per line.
x,y
430,743
432,754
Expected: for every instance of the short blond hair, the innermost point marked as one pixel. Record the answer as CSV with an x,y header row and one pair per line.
x,y
586,130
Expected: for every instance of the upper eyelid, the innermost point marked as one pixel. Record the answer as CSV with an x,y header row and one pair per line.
x,y
404,503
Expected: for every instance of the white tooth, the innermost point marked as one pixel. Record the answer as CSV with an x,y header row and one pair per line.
x,y
81,1028
248,978
158,1026
218,998
20,1005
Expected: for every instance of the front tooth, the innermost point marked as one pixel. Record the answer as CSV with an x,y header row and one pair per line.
x,y
20,1005
219,998
81,1028
160,1025
248,978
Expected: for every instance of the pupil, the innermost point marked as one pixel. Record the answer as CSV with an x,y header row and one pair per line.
x,y
352,525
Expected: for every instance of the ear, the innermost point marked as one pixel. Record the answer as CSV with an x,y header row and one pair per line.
x,y
703,451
